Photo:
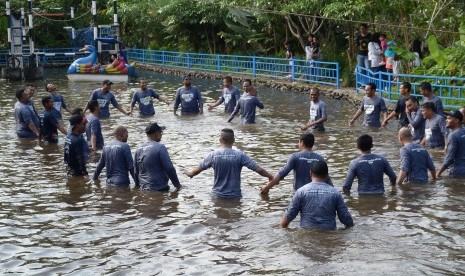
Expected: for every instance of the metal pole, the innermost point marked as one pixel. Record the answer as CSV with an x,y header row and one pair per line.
x,y
8,15
73,33
31,28
94,18
115,23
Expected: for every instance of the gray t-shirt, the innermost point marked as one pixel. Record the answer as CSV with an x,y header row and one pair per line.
x,y
417,123
318,204
435,131
437,103
117,158
415,161
373,108
230,98
190,99
247,106
318,111
145,101
153,167
93,127
455,153
227,164
301,162
369,169
104,100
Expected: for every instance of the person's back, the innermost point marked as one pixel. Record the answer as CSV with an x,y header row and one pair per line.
x,y
153,166
319,203
116,157
415,161
247,106
76,151
93,127
301,163
227,164
48,125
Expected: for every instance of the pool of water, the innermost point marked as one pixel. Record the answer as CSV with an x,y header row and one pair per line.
x,y
52,224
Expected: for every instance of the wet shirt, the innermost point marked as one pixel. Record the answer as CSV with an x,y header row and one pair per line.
x,y
373,108
24,114
400,109
318,111
417,123
437,103
153,167
230,97
117,158
190,99
369,169
104,100
145,101
415,161
247,106
93,127
300,162
455,153
435,131
48,125
227,164
58,104
76,153
318,204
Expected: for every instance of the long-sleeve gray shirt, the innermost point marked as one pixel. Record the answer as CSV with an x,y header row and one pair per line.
x,y
247,106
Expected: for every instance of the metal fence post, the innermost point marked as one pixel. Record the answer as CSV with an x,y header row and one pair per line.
x,y
219,63
163,57
292,69
143,56
188,61
254,66
338,82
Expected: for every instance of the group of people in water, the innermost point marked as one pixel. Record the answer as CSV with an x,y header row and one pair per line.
x,y
315,198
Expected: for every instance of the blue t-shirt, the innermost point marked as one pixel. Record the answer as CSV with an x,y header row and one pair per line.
x,y
435,132
415,161
116,156
417,122
48,125
104,100
373,108
24,114
190,99
437,103
93,127
153,167
247,106
455,153
58,104
230,97
227,164
400,109
318,204
301,162
145,101
76,153
318,111
369,169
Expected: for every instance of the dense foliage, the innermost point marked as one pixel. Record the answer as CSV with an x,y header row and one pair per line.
x,y
258,27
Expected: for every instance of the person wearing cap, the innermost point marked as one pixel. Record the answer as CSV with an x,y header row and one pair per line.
x,y
318,112
369,169
153,166
247,106
104,97
144,97
435,127
49,122
117,158
399,110
455,150
227,164
27,122
230,96
318,203
76,150
189,97
428,96
93,127
415,118
300,163
373,105
415,160
58,100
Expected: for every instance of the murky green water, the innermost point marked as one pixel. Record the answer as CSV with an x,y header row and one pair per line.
x,y
50,224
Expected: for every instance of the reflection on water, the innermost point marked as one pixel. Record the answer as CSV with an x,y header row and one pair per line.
x,y
54,224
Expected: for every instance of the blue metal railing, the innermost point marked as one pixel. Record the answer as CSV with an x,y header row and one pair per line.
x,y
51,55
321,72
451,90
